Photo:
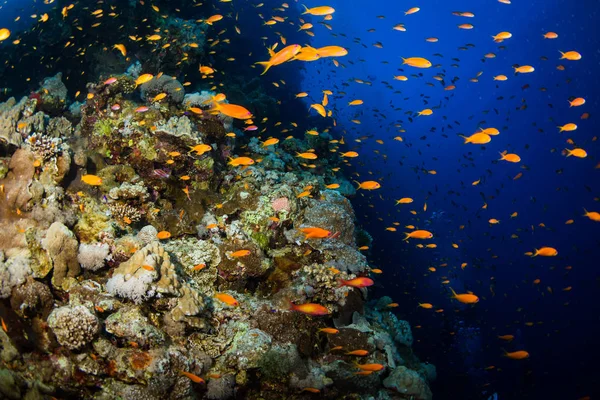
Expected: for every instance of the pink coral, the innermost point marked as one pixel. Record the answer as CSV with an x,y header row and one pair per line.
x,y
281,204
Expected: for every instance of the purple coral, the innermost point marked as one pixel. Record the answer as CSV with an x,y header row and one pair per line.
x,y
281,204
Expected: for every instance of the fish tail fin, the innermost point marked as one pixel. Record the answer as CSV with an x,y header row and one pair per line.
x,y
535,253
562,54
403,60
305,9
292,305
453,292
466,138
358,183
569,152
265,64
585,211
407,236
502,153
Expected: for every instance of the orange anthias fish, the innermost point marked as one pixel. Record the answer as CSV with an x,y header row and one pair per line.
x,y
232,110
240,253
315,233
91,180
309,309
465,298
318,11
359,282
517,355
285,54
331,331
360,353
508,338
227,299
368,185
545,252
193,377
370,367
418,234
241,161
163,235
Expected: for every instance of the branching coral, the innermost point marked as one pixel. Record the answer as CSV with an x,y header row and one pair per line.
x,y
45,148
124,213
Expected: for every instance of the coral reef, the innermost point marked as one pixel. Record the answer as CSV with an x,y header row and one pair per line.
x,y
137,252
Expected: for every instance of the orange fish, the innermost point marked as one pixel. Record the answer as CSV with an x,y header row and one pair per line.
x,y
363,373
360,353
309,308
310,390
315,233
370,367
91,180
193,377
359,282
368,185
517,355
331,331
282,56
199,267
418,234
227,299
244,161
465,298
508,338
545,252
233,111
240,253
163,235
593,215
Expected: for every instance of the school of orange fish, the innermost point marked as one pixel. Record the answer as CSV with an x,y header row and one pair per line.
x,y
266,131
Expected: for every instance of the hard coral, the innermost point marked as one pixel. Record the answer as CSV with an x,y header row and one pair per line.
x,y
62,246
281,204
44,147
13,272
74,326
165,84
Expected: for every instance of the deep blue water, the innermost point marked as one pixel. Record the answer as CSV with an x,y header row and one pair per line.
x,y
462,340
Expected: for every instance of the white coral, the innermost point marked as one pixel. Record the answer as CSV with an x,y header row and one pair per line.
x,y
13,272
136,288
92,256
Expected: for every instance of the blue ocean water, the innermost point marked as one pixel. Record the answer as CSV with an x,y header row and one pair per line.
x,y
527,108
462,341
